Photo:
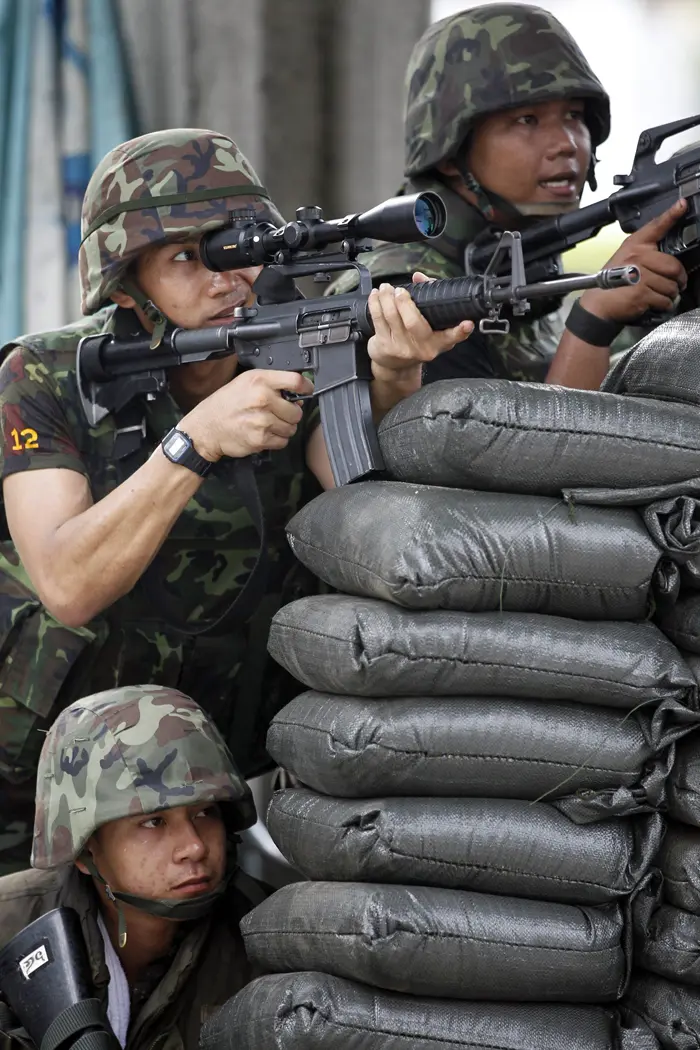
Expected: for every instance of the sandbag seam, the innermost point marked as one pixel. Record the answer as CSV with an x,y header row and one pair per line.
x,y
494,578
425,935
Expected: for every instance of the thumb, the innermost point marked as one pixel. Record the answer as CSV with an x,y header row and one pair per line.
x,y
420,278
659,227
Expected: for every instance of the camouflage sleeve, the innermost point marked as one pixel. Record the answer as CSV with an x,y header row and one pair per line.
x,y
34,433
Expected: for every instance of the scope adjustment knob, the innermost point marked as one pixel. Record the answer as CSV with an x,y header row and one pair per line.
x,y
310,213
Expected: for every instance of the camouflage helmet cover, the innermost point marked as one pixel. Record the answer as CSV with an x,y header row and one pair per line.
x,y
123,752
157,188
487,59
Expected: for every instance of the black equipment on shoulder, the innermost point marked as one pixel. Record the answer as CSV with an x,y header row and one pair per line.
x,y
46,982
326,336
649,189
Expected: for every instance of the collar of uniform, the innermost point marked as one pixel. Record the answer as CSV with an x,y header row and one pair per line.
x,y
78,892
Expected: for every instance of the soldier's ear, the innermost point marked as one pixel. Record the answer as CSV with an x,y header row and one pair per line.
x,y
85,859
121,298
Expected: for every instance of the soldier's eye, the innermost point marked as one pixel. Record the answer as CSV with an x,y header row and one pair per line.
x,y
186,255
152,822
527,119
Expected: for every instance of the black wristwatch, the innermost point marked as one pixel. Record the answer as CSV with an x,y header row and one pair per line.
x,y
178,447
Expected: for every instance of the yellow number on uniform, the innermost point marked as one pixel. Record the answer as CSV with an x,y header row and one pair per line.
x,y
23,439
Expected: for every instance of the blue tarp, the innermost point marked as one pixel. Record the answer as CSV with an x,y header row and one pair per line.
x,y
65,100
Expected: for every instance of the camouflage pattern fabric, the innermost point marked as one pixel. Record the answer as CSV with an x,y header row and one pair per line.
x,y
144,193
202,565
487,59
123,752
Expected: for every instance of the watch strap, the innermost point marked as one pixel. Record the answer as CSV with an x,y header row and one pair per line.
x,y
186,456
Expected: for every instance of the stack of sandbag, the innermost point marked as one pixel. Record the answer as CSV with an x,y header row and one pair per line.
x,y
489,726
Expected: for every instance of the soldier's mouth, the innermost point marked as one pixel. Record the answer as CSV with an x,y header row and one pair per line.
x,y
561,186
191,887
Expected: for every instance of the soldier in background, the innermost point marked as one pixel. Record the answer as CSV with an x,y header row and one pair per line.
x,y
503,117
137,807
126,543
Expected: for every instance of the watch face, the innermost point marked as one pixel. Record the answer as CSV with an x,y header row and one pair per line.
x,y
177,445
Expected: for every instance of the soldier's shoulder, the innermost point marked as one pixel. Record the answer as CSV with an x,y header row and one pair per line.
x,y
29,883
397,260
60,342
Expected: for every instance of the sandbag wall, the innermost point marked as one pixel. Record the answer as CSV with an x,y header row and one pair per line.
x,y
488,732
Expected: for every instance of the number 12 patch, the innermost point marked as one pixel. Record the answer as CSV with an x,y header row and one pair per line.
x,y
24,439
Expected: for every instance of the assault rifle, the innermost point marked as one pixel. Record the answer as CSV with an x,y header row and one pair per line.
x,y
648,190
326,336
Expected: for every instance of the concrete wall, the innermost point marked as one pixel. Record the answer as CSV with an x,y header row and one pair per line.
x,y
312,90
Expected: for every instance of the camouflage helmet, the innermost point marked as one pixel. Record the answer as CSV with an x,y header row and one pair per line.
x,y
487,59
168,185
127,751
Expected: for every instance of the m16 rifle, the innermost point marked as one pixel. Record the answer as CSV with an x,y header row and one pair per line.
x,y
326,337
649,189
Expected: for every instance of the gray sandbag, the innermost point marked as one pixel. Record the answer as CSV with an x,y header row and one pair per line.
x,y
314,1011
446,943
683,786
671,1010
519,849
674,525
663,365
680,621
426,547
679,861
535,438
366,647
606,762
668,944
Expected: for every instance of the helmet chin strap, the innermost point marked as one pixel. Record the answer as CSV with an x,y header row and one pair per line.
x,y
176,911
154,314
504,212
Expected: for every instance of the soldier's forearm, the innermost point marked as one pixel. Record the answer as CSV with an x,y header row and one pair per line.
x,y
579,364
83,565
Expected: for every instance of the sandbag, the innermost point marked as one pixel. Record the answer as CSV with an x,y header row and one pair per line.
x,y
664,364
366,647
440,548
603,761
669,945
671,1010
436,942
680,621
679,860
314,1011
496,435
519,849
684,782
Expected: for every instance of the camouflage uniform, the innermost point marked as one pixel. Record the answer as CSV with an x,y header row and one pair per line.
x,y
116,754
210,549
470,64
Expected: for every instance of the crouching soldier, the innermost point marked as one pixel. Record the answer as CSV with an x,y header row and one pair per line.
x,y
137,808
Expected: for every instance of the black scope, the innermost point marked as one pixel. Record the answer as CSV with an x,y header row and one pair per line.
x,y
247,242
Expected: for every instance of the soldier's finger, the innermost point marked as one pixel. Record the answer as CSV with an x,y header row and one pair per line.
x,y
388,298
657,228
420,278
413,321
376,310
667,265
287,411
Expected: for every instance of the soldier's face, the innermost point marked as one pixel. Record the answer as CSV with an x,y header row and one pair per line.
x,y
533,154
176,854
175,279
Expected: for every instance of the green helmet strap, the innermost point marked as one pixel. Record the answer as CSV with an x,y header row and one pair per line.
x,y
176,911
155,315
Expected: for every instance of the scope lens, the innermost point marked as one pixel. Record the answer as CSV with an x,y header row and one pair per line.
x,y
429,214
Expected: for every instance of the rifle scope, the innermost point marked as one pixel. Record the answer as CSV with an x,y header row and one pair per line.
x,y
246,242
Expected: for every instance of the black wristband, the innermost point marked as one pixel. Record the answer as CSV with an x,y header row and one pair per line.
x,y
594,330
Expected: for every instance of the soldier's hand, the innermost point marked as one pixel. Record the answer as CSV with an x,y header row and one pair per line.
x,y
403,339
248,415
662,276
